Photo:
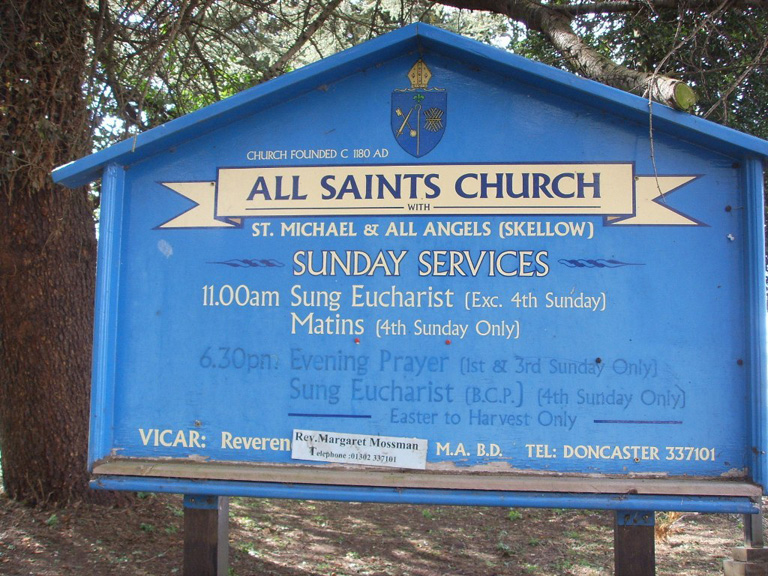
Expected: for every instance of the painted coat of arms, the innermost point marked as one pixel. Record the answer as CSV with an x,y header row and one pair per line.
x,y
419,113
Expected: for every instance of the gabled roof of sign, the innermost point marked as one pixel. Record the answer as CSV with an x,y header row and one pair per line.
x,y
409,38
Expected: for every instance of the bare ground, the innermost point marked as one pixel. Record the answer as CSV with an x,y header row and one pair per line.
x,y
302,538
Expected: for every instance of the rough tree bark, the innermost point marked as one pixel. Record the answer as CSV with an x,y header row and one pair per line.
x,y
47,253
555,23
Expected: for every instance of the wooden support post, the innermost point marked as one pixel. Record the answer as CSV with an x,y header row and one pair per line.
x,y
206,535
634,547
754,535
752,558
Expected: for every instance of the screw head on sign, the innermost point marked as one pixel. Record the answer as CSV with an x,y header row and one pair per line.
x,y
357,340
448,342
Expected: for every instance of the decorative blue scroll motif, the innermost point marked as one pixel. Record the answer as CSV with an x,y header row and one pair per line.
x,y
251,263
597,263
419,113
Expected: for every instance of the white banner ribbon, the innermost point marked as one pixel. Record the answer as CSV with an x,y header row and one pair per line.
x,y
610,190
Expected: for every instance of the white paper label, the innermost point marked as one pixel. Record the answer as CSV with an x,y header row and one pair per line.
x,y
360,449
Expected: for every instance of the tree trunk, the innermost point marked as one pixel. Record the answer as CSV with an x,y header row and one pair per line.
x,y
47,253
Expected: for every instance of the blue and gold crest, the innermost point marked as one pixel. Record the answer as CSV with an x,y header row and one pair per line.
x,y
419,113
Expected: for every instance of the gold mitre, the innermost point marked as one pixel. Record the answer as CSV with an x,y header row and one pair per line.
x,y
419,75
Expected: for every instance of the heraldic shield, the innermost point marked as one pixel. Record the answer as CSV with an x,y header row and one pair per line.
x,y
419,113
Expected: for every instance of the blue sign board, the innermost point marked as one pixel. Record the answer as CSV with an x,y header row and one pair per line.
x,y
427,270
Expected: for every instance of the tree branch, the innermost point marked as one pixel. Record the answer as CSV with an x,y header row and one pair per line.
x,y
306,34
555,24
749,69
209,69
619,6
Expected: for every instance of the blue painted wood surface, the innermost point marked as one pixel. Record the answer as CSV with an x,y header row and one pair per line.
x,y
214,342
715,505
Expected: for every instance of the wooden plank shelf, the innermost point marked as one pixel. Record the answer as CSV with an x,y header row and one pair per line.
x,y
464,479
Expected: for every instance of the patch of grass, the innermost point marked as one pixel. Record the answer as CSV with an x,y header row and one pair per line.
x,y
250,549
247,522
504,549
175,510
246,502
514,514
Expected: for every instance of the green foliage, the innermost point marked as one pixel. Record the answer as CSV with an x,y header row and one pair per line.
x,y
153,62
720,53
716,53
